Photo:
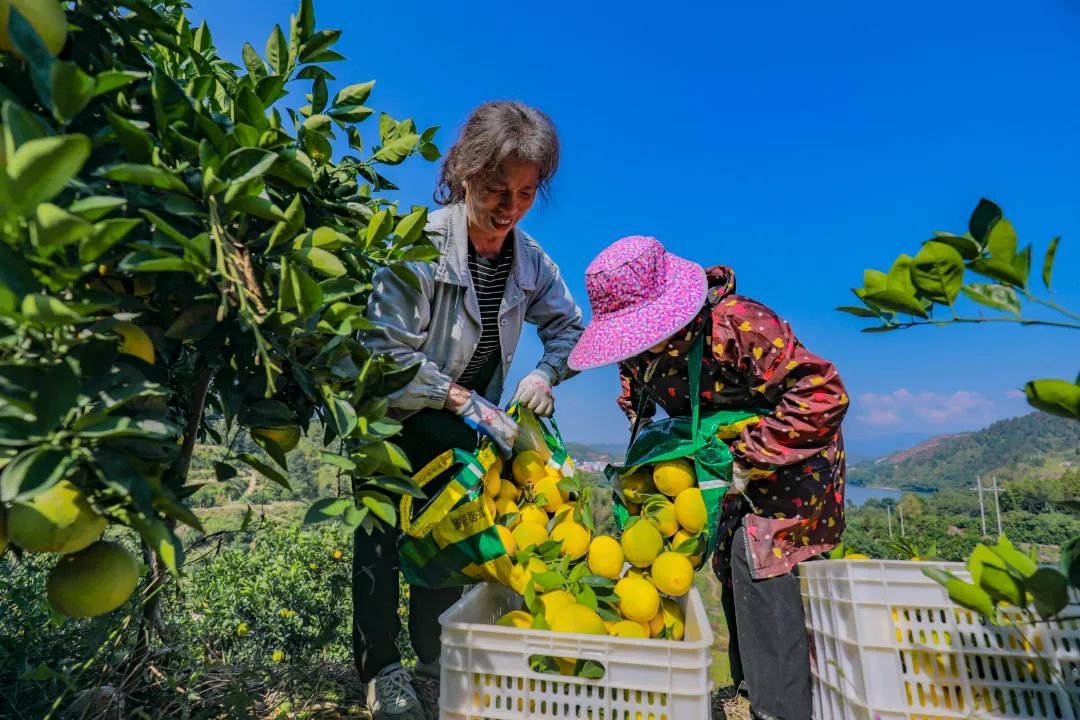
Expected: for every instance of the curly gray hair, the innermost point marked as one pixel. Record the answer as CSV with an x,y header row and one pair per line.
x,y
496,132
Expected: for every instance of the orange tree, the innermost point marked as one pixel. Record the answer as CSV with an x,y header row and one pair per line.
x,y
175,246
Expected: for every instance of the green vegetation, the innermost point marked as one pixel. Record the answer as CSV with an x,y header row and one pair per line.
x,y
1034,446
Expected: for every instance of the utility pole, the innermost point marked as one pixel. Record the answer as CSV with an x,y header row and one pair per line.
x,y
900,508
888,509
982,509
997,507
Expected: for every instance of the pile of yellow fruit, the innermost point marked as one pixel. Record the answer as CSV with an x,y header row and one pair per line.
x,y
575,581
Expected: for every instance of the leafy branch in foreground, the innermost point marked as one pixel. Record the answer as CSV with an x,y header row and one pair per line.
x,y
983,265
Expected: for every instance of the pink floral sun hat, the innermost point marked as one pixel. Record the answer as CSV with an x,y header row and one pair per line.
x,y
640,295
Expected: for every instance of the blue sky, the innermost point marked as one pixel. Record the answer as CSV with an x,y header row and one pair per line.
x,y
796,142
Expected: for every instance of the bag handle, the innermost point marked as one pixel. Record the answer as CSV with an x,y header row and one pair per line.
x,y
697,352
440,464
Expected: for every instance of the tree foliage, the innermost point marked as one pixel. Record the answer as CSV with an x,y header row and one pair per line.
x,y
175,244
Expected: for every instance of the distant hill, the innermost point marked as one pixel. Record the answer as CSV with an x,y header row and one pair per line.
x,y
596,452
1036,444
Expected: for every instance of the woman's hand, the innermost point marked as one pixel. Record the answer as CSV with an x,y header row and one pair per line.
x,y
486,418
534,393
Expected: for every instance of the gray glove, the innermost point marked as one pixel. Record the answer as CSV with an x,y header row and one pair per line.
x,y
534,393
480,414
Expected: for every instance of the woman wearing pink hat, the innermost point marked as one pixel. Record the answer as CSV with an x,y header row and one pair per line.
x,y
786,503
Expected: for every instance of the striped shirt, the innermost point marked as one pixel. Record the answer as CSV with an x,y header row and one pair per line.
x,y
489,281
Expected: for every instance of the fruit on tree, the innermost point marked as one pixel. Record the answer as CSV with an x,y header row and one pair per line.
x,y
690,510
47,17
671,477
135,341
285,437
59,520
606,557
672,573
641,543
638,599
94,581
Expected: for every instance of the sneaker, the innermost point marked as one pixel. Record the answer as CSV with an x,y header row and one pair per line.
x,y
390,696
432,670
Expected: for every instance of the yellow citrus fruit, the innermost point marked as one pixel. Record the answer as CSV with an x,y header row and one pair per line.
x,y
285,437
671,477
661,513
492,483
857,556
532,513
641,543
575,539
628,629
497,465
3,531
528,533
506,507
93,581
135,341
547,488
555,600
637,486
636,572
682,537
492,510
47,17
59,519
522,574
656,624
565,513
278,656
516,619
690,510
606,557
671,616
508,540
638,599
672,573
243,630
575,618
527,467
566,665
508,490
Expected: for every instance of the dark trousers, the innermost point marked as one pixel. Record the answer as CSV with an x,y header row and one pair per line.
x,y
375,586
768,648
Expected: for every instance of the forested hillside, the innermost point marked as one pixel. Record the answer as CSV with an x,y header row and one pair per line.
x,y
1033,445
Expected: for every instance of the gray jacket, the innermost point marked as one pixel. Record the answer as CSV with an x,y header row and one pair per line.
x,y
439,326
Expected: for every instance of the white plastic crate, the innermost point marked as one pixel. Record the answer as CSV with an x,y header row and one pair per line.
x,y
889,644
486,673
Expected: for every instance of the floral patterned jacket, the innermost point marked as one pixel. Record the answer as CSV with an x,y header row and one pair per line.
x,y
794,506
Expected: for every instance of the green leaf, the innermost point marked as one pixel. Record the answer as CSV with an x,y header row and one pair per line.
x,y
277,51
1048,261
48,310
1004,270
351,113
138,145
148,175
166,545
243,164
1049,590
256,206
194,323
401,486
396,150
380,505
937,272
429,152
999,297
379,227
96,207
1070,561
1057,397
327,509
72,89
253,62
322,261
973,598
294,167
411,227
984,217
106,234
41,168
111,80
299,290
1001,241
265,470
56,227
968,248
306,19
1022,266
312,48
33,471
342,414
19,126
224,472
857,311
354,94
